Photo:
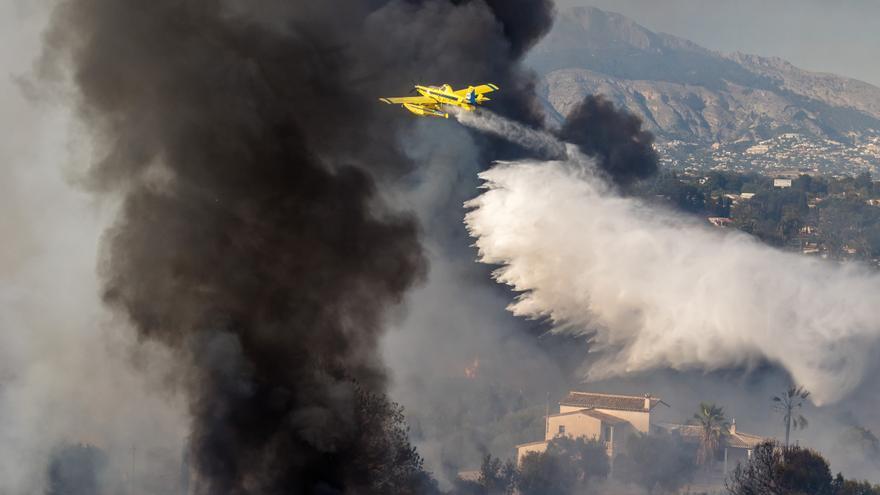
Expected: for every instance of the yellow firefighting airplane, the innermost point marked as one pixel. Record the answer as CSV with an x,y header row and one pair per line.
x,y
434,97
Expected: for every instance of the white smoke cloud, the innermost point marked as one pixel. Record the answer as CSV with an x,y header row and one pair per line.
x,y
658,289
429,347
65,370
514,131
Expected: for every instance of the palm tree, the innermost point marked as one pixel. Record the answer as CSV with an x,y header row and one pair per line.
x,y
713,428
788,404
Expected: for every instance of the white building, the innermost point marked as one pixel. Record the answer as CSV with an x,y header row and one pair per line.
x,y
782,183
611,419
604,417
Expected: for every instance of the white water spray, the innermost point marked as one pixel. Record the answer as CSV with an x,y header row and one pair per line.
x,y
663,290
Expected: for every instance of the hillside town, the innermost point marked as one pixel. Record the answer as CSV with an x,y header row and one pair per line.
x,y
779,154
831,217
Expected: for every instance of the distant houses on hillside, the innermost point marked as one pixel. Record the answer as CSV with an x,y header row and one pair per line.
x,y
782,183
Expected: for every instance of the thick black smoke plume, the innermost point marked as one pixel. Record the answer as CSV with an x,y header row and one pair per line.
x,y
248,145
524,22
614,137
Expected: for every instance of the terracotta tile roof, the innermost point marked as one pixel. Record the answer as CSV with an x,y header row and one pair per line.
x,y
607,401
744,440
737,440
605,418
687,432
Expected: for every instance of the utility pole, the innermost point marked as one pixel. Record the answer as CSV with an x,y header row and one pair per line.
x,y
131,476
547,418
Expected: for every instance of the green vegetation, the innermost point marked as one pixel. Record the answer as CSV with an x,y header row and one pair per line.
x,y
466,418
850,487
659,463
713,428
777,470
664,464
788,404
569,465
496,478
833,217
390,463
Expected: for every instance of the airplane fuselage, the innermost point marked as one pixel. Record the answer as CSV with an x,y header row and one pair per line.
x,y
444,95
432,99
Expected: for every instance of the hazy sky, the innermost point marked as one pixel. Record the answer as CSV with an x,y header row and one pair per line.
x,y
842,36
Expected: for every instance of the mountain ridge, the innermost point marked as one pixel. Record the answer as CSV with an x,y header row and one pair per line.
x,y
695,98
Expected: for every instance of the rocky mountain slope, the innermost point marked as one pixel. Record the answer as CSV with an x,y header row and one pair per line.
x,y
710,109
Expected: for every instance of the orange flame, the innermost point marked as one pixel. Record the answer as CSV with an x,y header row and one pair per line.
x,y
471,371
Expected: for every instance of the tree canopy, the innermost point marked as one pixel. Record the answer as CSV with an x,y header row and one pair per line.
x,y
713,428
789,404
659,463
778,470
567,465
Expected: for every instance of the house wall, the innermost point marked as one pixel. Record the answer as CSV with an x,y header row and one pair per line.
x,y
576,425
641,420
622,431
580,425
522,450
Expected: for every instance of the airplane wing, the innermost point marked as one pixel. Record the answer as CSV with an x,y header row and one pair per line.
x,y
481,89
418,100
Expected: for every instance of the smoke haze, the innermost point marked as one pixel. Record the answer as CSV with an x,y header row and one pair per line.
x,y
262,221
252,240
66,367
457,318
527,137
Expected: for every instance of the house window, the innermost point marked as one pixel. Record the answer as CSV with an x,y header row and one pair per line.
x,y
562,429
607,433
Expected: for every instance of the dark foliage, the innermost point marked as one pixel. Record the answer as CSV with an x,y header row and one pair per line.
x,y
497,477
788,404
850,487
659,463
776,470
546,474
387,462
804,471
832,215
568,464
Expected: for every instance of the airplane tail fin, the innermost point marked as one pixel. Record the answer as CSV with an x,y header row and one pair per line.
x,y
471,96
